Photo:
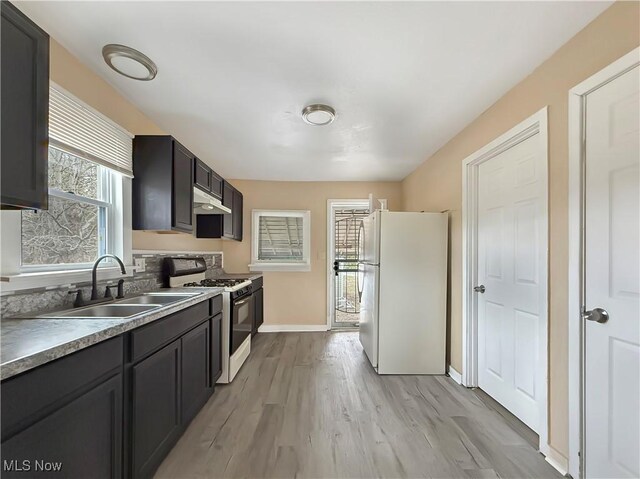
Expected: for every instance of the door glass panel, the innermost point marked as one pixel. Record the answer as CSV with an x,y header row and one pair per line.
x,y
347,255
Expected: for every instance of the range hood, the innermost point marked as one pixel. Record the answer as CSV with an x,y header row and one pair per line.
x,y
205,204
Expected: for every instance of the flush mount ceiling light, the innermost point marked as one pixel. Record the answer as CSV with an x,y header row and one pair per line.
x,y
318,115
129,62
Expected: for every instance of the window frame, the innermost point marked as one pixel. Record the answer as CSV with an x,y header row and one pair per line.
x,y
268,265
107,183
15,276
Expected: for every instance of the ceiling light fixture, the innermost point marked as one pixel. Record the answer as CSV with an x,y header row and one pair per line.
x,y
129,62
318,114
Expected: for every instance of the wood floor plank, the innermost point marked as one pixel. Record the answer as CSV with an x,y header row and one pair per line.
x,y
309,405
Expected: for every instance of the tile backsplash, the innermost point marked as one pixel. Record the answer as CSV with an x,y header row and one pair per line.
x,y
42,299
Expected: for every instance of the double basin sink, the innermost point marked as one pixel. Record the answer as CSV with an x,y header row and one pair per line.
x,y
123,309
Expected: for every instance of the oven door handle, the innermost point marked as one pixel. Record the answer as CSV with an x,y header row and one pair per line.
x,y
240,303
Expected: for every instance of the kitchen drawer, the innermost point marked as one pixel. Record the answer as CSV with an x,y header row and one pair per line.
x,y
216,305
148,338
34,394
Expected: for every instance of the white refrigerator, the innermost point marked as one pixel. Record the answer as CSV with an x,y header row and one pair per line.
x,y
402,282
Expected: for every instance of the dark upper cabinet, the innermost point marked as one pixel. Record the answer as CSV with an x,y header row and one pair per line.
x,y
206,179
155,419
202,175
227,226
236,213
25,111
162,185
182,217
216,185
227,219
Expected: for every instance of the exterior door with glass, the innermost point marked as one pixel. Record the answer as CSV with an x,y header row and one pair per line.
x,y
346,219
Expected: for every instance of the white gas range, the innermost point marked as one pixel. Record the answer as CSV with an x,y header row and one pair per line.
x,y
237,309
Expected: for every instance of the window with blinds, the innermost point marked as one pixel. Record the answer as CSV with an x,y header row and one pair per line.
x,y
280,240
89,160
78,129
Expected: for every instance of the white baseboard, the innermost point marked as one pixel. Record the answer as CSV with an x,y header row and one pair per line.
x,y
291,328
555,459
455,375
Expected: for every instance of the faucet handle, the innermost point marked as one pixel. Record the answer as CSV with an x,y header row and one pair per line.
x,y
107,291
79,301
120,289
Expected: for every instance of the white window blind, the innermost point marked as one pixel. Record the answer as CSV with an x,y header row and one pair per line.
x,y
80,130
281,238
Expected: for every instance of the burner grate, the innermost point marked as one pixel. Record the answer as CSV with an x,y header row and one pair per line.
x,y
215,283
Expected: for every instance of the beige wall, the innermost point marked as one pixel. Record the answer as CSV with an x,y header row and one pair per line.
x,y
79,80
300,297
437,183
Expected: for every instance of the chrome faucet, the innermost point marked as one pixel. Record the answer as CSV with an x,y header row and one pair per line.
x,y
94,273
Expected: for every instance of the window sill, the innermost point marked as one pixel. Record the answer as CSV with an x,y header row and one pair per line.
x,y
57,279
292,267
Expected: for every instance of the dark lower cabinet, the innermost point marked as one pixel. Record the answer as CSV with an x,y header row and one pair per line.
x,y
25,111
155,397
173,362
65,418
258,310
197,383
117,408
81,439
216,348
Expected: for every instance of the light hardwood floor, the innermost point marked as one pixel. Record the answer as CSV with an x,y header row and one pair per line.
x,y
309,405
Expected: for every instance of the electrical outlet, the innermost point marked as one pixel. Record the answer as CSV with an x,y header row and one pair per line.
x,y
140,265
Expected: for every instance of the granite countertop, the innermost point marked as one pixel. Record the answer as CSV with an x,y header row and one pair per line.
x,y
27,343
250,276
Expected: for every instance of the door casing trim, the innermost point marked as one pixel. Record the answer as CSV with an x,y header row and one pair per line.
x,y
536,124
331,235
576,117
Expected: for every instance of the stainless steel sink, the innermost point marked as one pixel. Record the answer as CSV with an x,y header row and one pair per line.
x,y
123,309
159,298
104,311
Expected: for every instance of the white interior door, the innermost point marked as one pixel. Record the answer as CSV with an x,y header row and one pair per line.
x,y
512,269
612,279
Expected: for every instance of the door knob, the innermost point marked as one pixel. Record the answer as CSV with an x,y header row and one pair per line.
x,y
598,315
480,289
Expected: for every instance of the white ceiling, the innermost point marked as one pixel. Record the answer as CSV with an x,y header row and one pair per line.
x,y
234,76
